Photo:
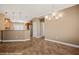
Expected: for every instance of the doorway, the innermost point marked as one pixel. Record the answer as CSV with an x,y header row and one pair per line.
x,y
38,27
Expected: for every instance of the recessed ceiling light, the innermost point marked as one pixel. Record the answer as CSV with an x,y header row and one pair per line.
x,y
6,21
60,15
46,17
49,18
56,17
54,14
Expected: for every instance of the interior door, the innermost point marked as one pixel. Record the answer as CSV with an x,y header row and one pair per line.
x,y
34,29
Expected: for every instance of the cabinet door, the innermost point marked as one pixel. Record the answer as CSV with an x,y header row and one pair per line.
x,y
2,22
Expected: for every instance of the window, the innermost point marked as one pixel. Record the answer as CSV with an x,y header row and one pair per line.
x,y
18,26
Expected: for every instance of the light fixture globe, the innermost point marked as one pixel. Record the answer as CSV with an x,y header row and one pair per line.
x,y
46,17
60,15
54,14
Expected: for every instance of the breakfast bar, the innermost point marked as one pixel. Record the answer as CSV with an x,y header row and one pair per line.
x,y
14,35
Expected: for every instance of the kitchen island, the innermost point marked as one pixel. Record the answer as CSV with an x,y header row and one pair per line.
x,y
14,35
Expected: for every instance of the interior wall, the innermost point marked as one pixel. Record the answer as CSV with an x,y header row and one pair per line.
x,y
65,29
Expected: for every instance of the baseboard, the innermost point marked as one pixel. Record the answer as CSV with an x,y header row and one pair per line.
x,y
38,36
14,40
11,53
64,43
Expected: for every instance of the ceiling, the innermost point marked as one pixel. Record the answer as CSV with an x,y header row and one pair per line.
x,y
23,12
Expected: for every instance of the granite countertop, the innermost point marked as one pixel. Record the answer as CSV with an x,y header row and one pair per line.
x,y
14,30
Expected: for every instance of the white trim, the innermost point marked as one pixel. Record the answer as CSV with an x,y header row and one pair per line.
x,y
37,36
64,43
15,40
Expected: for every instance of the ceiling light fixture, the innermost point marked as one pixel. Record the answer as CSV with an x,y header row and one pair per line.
x,y
46,17
54,14
57,15
49,18
6,21
60,15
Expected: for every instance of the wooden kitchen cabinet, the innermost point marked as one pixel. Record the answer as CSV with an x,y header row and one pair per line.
x,y
2,18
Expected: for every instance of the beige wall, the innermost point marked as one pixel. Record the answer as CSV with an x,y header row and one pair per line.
x,y
16,34
66,28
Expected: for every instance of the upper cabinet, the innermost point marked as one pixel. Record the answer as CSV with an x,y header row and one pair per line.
x,y
5,23
2,18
